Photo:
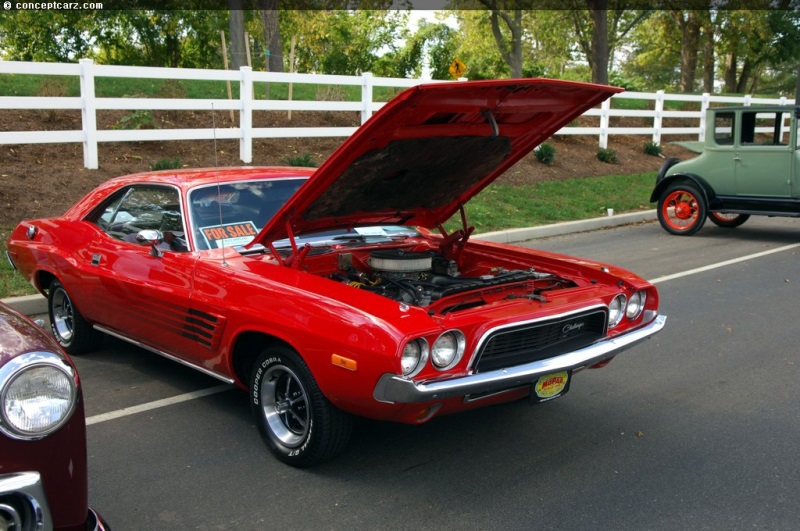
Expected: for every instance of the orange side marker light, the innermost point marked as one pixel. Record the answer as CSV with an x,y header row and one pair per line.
x,y
344,363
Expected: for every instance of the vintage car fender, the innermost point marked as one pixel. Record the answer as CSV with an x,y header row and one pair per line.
x,y
705,189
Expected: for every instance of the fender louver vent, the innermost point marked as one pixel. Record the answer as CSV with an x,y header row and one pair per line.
x,y
200,327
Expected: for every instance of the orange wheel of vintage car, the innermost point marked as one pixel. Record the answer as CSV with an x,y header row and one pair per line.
x,y
681,209
727,220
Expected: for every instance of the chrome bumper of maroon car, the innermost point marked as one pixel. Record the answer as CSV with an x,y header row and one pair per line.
x,y
23,504
393,389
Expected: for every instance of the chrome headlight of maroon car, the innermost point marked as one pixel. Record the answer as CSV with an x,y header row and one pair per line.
x,y
37,395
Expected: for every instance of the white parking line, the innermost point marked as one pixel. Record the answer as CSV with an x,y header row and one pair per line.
x,y
723,264
111,415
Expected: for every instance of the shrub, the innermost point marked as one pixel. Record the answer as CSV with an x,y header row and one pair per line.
x,y
304,161
607,155
166,164
546,153
651,148
331,93
137,120
52,88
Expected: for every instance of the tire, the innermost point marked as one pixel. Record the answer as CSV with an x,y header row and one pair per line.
x,y
681,209
70,329
729,221
298,424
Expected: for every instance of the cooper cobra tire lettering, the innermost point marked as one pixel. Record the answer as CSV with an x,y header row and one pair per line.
x,y
296,421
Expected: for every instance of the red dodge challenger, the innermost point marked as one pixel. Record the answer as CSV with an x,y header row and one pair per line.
x,y
336,292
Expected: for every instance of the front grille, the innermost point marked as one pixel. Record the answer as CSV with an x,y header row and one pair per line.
x,y
23,506
521,344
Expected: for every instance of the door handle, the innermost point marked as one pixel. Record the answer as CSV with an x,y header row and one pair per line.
x,y
96,259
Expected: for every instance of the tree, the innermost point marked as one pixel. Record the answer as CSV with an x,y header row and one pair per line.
x,y
433,44
62,36
272,35
237,48
755,43
342,42
508,37
598,35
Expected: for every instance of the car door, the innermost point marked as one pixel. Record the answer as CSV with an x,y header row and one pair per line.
x,y
764,156
139,293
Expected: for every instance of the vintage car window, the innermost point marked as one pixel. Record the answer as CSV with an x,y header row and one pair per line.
x,y
232,214
140,208
762,128
724,123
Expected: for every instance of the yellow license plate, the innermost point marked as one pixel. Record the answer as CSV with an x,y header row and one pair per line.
x,y
551,386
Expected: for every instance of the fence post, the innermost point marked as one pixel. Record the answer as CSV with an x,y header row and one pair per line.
x,y
704,103
784,128
88,115
366,96
658,119
605,109
246,114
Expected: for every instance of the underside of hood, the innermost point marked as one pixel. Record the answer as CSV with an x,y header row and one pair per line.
x,y
429,150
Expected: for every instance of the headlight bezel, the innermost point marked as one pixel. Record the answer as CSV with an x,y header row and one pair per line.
x,y
615,315
637,301
422,358
460,347
17,368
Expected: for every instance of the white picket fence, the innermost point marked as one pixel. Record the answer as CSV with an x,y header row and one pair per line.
x,y
246,105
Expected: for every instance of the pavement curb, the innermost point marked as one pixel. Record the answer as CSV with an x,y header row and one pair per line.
x,y
28,304
37,304
568,227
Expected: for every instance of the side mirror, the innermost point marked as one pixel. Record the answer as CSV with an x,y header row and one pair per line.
x,y
152,238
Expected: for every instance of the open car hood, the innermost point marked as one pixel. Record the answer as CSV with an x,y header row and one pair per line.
x,y
428,151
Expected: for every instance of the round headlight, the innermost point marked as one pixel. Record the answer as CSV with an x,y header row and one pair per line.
x,y
38,397
447,349
636,305
616,310
414,354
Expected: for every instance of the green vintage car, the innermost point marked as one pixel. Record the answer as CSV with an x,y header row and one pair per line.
x,y
749,165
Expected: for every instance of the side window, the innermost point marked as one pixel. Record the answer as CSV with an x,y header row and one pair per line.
x,y
724,127
144,208
761,129
797,131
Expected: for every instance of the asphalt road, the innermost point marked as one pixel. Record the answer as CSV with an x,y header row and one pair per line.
x,y
696,429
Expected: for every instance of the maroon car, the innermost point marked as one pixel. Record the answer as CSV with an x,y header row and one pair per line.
x,y
43,479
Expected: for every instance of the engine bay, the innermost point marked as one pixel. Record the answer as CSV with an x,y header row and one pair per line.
x,y
424,278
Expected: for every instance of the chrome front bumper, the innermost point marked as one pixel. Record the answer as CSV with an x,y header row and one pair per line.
x,y
395,389
23,504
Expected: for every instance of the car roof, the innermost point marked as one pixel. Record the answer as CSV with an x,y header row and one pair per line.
x,y
184,179
192,177
757,108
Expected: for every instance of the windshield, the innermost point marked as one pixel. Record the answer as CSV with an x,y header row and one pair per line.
x,y
230,214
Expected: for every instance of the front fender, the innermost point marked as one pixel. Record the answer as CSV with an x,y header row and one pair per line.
x,y
705,189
